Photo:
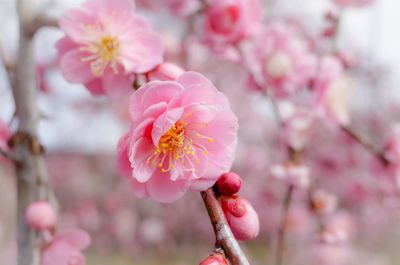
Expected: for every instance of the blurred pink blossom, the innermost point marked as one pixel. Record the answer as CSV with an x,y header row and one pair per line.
x,y
183,136
242,218
332,89
164,72
5,135
40,215
292,174
280,61
230,21
66,248
323,202
182,8
105,45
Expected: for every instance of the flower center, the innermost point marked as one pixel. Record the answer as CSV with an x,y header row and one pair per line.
x,y
103,53
278,65
177,146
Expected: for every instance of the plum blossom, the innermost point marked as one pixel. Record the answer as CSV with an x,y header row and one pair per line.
x,y
280,61
183,135
323,202
242,218
66,248
105,45
40,215
164,72
332,89
230,21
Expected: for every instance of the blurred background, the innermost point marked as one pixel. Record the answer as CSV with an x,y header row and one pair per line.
x,y
80,133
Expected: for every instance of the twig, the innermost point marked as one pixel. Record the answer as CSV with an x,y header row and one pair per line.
x,y
281,244
367,145
224,237
43,20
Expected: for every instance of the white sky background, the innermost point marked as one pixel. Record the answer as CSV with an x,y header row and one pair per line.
x,y
375,30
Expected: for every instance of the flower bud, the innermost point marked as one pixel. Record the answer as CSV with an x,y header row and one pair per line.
x,y
214,259
40,215
165,72
242,218
229,183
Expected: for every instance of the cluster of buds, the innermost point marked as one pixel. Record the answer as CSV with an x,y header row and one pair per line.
x,y
240,214
66,246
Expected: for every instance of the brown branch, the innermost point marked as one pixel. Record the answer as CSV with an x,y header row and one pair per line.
x,y
224,237
367,145
281,242
30,168
41,21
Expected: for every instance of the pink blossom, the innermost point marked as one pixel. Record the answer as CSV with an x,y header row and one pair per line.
x,y
332,89
392,145
183,135
323,202
353,3
164,72
40,215
230,21
292,174
280,60
182,8
242,218
214,259
66,248
105,45
229,183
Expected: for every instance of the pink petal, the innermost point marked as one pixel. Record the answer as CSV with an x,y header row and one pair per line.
x,y
124,165
139,188
64,45
162,189
117,85
140,152
74,69
75,237
72,23
95,87
163,123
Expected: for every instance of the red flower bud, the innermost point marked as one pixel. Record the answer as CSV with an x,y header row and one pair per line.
x,y
214,259
229,183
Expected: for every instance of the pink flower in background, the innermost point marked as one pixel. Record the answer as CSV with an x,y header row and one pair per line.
x,y
392,145
66,248
279,60
323,202
332,89
292,174
41,215
164,72
5,135
230,21
182,8
183,135
242,218
105,45
353,3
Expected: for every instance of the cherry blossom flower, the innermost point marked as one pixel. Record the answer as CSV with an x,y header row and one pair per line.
x,y
66,248
323,202
105,45
332,89
230,21
242,218
40,215
292,174
183,136
279,60
164,72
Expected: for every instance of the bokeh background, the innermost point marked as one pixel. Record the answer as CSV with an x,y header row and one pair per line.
x,y
80,133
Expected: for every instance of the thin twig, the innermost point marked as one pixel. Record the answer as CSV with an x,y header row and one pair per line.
x,y
281,241
369,146
224,237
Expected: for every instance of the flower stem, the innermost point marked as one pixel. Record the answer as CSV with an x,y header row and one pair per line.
x,y
224,237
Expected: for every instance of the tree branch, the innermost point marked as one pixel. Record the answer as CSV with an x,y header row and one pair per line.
x,y
30,168
224,237
367,145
